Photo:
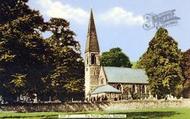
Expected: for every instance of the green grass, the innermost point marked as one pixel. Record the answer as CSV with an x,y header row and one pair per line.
x,y
164,113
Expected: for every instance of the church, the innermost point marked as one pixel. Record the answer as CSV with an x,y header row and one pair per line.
x,y
110,83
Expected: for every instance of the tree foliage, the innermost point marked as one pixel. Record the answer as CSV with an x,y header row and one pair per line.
x,y
21,47
67,74
162,64
115,57
31,64
186,73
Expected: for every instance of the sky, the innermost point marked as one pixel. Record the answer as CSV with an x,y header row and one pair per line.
x,y
118,22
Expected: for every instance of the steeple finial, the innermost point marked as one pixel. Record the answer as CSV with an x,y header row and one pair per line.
x,y
92,40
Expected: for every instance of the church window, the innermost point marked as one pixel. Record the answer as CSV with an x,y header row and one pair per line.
x,y
93,59
133,88
143,89
102,81
119,87
86,60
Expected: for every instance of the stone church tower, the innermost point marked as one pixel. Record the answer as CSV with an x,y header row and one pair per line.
x,y
92,58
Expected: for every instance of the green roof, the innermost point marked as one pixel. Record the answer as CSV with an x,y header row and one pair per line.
x,y
106,89
125,75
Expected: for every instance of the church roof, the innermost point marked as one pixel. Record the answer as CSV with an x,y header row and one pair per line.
x,y
106,89
125,75
92,40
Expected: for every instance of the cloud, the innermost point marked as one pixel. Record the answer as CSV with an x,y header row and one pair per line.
x,y
119,16
55,8
115,15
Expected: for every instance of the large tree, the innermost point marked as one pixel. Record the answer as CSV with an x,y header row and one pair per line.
x,y
67,63
162,64
115,57
21,59
186,72
31,64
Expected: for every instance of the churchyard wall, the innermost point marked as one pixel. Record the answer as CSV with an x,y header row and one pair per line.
x,y
98,106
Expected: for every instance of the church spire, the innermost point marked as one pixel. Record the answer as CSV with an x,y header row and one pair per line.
x,y
92,40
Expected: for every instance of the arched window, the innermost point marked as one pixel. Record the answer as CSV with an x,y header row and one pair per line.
x,y
143,89
86,60
119,87
133,88
93,59
102,80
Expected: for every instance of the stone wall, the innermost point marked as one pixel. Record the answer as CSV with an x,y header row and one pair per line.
x,y
100,106
145,104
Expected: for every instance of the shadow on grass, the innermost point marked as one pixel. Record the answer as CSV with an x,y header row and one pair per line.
x,y
148,115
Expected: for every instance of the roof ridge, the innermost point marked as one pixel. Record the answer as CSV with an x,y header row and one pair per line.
x,y
122,67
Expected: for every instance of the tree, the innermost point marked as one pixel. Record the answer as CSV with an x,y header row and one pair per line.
x,y
162,64
115,57
22,47
67,63
31,64
186,73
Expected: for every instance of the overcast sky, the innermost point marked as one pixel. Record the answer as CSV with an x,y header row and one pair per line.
x,y
118,22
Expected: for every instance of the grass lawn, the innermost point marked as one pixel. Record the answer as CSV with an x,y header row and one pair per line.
x,y
165,113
